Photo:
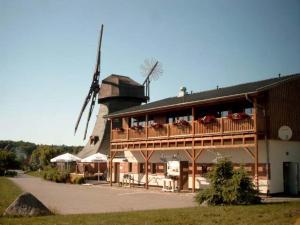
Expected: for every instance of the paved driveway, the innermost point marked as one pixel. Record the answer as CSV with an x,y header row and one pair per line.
x,y
74,199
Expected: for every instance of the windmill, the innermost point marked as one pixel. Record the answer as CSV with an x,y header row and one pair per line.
x,y
115,93
152,70
94,89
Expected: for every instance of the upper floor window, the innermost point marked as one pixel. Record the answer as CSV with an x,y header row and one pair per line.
x,y
117,123
181,115
249,111
137,121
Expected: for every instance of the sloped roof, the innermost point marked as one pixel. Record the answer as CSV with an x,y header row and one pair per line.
x,y
220,93
120,80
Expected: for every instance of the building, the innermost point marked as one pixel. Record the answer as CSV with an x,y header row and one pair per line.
x,y
256,125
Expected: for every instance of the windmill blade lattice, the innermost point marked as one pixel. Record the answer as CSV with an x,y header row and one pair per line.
x,y
94,88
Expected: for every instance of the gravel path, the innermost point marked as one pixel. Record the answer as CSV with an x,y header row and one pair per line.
x,y
75,199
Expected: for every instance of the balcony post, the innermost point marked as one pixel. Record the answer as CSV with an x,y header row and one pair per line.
x,y
146,126
193,121
127,128
222,125
111,129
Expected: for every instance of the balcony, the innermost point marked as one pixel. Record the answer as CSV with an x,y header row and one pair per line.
x,y
222,126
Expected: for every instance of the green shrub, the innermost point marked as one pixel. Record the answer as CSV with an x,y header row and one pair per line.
x,y
53,174
79,180
10,173
228,186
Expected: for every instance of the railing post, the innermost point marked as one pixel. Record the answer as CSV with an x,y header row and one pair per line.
x,y
193,121
222,125
146,126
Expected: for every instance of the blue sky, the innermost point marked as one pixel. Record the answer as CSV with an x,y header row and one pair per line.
x,y
48,51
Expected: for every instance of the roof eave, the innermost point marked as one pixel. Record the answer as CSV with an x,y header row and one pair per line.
x,y
184,104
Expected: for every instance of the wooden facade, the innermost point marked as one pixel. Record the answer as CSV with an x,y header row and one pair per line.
x,y
265,111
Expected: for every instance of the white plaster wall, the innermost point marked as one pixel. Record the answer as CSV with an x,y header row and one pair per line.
x,y
236,155
136,156
281,151
154,180
277,155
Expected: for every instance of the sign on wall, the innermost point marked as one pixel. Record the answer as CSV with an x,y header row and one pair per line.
x,y
173,168
285,133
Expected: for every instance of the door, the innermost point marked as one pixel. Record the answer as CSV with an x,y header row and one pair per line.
x,y
117,172
184,175
291,178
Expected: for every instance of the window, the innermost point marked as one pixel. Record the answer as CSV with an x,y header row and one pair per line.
x,y
224,113
204,169
94,140
129,167
117,123
249,111
137,121
153,168
182,115
142,168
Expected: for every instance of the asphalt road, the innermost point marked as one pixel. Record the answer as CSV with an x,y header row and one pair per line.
x,y
77,199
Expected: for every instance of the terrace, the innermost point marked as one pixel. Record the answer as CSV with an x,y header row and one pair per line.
x,y
227,124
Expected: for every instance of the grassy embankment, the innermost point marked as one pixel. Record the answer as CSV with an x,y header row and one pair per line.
x,y
285,213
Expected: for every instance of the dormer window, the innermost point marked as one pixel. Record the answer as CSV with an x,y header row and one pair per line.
x,y
94,140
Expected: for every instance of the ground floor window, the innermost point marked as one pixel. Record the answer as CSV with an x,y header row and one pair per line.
x,y
129,167
153,168
142,168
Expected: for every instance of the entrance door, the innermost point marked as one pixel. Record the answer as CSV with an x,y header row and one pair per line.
x,y
291,178
117,172
184,175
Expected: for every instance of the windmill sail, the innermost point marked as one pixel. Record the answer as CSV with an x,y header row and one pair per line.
x,y
94,88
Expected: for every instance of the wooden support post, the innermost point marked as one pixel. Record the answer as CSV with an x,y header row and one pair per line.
x,y
146,126
112,155
193,170
127,128
256,163
256,142
193,121
222,125
146,165
146,157
110,170
111,130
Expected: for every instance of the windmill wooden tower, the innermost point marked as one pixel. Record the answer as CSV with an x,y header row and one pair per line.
x,y
116,92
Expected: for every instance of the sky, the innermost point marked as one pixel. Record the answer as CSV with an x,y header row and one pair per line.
x,y
48,53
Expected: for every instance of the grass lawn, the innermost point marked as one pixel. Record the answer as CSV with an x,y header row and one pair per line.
x,y
8,193
284,213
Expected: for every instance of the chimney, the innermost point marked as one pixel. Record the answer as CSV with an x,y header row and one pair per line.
x,y
182,92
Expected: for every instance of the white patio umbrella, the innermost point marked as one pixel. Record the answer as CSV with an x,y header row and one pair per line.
x,y
98,157
67,157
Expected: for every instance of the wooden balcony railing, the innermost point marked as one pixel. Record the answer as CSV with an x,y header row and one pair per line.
x,y
219,127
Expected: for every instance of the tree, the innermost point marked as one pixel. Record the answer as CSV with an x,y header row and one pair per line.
x,y
228,186
7,161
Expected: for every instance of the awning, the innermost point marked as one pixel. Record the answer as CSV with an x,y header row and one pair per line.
x,y
98,157
67,157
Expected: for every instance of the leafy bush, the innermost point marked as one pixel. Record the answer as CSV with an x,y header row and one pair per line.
x,y
228,186
79,180
7,161
52,174
10,173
